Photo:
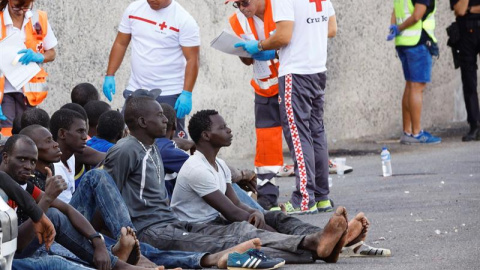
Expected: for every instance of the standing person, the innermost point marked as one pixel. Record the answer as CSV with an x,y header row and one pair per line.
x,y
165,54
412,26
468,20
254,20
17,16
303,28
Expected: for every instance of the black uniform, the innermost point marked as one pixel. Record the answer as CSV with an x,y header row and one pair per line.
x,y
469,46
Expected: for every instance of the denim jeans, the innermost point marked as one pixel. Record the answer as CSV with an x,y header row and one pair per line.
x,y
97,190
47,263
244,198
68,237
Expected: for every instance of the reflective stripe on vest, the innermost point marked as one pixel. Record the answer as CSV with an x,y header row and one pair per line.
x,y
35,31
411,36
242,25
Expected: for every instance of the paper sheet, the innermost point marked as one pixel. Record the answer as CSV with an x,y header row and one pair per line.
x,y
224,43
18,75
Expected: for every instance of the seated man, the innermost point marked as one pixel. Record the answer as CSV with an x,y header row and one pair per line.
x,y
69,130
136,166
73,231
204,192
110,129
97,192
94,110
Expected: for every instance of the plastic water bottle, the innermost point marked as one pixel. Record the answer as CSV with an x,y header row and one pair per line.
x,y
386,162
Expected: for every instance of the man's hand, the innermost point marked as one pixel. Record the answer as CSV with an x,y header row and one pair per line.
x,y
109,87
183,105
101,258
45,231
54,185
2,116
393,32
251,46
30,56
265,55
248,182
257,219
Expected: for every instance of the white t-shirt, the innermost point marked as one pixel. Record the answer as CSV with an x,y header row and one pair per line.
x,y
307,51
49,42
158,36
68,175
196,179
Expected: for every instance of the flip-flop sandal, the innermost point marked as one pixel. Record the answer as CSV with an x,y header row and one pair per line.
x,y
364,251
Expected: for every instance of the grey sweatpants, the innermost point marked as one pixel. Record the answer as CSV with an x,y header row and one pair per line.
x,y
301,111
198,237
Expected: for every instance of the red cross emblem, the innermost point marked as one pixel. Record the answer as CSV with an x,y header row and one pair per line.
x,y
318,4
40,47
181,134
163,25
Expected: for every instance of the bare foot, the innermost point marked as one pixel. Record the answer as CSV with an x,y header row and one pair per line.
x,y
221,257
127,248
333,257
323,243
145,262
357,229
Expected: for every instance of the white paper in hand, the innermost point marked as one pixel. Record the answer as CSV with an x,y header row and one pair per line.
x,y
16,73
225,42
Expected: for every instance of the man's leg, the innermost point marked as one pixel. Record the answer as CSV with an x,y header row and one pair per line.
x,y
268,155
215,238
319,138
244,198
406,117
296,93
8,107
47,263
181,131
97,190
68,237
415,106
288,224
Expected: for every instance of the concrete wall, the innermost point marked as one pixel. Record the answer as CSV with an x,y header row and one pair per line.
x,y
365,81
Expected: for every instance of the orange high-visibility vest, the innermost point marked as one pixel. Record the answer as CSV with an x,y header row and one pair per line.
x,y
36,89
242,25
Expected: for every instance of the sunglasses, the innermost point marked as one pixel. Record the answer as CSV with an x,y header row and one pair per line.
x,y
241,3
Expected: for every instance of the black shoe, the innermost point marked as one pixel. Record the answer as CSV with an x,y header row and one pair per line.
x,y
473,134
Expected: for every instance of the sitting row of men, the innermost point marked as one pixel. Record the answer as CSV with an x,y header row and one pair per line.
x,y
78,173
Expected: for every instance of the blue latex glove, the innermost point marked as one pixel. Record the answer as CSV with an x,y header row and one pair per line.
x,y
30,56
2,116
264,55
393,32
183,105
251,46
109,87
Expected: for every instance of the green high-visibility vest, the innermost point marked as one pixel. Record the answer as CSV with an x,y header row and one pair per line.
x,y
410,36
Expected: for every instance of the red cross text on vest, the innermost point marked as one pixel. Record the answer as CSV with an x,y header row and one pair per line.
x,y
163,25
318,4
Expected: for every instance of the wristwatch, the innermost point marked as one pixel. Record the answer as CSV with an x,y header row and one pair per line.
x,y
260,47
95,235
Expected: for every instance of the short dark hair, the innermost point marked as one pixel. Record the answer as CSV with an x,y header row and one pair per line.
x,y
63,118
94,109
110,125
199,123
10,143
17,125
83,93
35,116
169,113
135,108
75,107
30,130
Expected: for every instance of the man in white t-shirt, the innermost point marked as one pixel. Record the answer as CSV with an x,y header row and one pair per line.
x,y
303,28
165,49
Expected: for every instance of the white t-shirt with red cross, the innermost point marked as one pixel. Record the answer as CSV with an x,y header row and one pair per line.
x,y
157,60
307,51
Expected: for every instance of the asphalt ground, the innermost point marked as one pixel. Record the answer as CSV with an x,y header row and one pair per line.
x,y
427,213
